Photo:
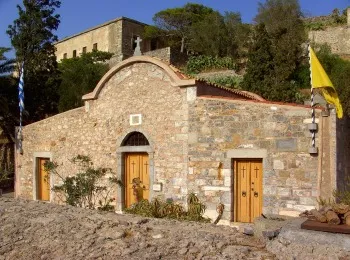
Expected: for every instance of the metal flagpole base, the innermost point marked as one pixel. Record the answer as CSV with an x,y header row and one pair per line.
x,y
312,127
313,150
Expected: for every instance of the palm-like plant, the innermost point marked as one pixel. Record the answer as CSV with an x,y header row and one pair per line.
x,y
6,65
8,95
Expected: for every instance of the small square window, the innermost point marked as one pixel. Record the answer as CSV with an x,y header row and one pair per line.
x,y
136,119
74,53
94,47
84,49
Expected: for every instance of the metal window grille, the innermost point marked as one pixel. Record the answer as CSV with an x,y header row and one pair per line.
x,y
135,139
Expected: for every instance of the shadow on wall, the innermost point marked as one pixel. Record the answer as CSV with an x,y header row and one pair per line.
x,y
343,152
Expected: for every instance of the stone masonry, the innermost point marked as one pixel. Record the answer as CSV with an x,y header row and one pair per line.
x,y
338,38
141,88
115,36
193,139
218,127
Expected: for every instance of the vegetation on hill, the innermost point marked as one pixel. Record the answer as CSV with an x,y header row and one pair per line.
x,y
197,64
336,18
80,76
338,70
275,54
271,53
187,28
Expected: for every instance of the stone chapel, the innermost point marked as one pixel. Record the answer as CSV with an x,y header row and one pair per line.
x,y
146,119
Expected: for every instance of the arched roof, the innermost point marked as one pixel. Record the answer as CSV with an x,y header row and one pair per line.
x,y
174,77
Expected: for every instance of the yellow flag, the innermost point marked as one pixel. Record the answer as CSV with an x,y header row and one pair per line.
x,y
320,79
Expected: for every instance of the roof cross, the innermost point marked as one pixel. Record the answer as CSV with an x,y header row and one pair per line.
x,y
137,51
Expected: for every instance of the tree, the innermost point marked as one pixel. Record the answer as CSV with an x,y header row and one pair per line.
x,y
276,56
32,37
283,22
338,70
260,74
8,96
79,76
8,115
260,63
174,24
226,38
210,44
237,34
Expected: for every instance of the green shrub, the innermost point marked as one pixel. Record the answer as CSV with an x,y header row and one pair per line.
x,y
84,189
158,208
197,64
315,26
225,81
341,195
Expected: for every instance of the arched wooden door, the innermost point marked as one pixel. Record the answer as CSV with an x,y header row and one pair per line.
x,y
137,177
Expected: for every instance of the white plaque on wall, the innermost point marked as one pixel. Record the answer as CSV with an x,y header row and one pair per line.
x,y
157,187
136,119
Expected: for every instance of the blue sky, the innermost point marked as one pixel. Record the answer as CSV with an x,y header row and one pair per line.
x,y
78,15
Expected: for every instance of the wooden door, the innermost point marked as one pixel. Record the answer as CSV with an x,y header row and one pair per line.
x,y
136,168
43,180
248,190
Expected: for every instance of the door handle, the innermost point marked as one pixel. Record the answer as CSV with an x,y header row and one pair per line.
x,y
244,193
256,194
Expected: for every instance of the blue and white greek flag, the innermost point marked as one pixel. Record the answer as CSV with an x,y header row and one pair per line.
x,y
21,108
21,92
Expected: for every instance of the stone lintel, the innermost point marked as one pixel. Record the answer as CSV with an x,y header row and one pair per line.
x,y
246,153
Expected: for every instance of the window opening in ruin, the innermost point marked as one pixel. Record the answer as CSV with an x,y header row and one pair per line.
x,y
84,49
153,44
94,47
64,55
135,139
74,53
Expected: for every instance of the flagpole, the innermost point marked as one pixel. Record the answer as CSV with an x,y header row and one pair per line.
x,y
313,118
312,100
21,107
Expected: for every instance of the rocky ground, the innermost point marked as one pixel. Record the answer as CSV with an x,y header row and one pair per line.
x,y
37,230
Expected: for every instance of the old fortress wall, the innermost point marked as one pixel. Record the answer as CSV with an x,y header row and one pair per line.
x,y
338,38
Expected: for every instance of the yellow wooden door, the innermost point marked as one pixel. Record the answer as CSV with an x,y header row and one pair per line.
x,y
136,168
43,180
256,189
248,190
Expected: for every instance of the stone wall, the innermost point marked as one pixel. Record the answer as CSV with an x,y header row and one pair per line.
x,y
88,39
338,38
100,131
219,127
115,36
163,54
